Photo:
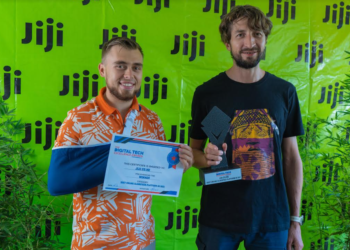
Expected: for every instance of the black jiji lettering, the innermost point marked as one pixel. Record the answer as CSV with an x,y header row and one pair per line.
x,y
183,222
7,82
195,43
38,132
39,34
314,57
114,32
76,85
337,19
286,10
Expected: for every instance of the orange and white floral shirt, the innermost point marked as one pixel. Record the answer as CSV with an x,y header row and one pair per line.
x,y
105,219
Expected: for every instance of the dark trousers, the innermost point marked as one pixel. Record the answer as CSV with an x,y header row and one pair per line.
x,y
215,239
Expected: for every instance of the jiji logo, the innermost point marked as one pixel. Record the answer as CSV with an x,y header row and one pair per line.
x,y
287,8
8,78
329,173
158,4
48,228
179,135
306,209
225,6
183,220
332,95
335,17
76,84
115,32
50,30
327,245
313,53
48,136
155,82
195,43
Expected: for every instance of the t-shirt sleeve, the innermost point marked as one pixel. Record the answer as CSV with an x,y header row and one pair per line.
x,y
294,124
198,114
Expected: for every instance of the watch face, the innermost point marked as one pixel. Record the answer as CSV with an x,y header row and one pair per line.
x,y
301,220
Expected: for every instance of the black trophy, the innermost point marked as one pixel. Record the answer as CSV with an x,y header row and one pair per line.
x,y
216,125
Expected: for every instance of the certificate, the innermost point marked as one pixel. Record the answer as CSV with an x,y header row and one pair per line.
x,y
139,165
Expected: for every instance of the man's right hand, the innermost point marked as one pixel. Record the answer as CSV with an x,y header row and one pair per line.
x,y
213,155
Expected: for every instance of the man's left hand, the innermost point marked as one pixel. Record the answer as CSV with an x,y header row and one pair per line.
x,y
294,237
186,156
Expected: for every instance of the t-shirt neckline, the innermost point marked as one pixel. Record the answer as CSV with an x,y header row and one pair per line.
x,y
262,80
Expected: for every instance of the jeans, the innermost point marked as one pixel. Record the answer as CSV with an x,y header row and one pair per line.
x,y
215,239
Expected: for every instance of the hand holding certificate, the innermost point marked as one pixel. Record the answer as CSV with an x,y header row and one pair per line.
x,y
138,165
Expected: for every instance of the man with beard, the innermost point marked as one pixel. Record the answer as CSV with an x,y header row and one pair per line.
x,y
105,219
261,209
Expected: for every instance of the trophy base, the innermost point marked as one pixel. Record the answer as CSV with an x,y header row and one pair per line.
x,y
209,176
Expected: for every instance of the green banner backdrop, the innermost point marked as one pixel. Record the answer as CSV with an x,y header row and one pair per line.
x,y
182,48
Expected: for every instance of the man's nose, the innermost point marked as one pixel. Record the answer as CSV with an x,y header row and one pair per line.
x,y
249,41
128,73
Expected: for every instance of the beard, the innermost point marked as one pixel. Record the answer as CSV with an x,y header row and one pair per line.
x,y
121,94
246,64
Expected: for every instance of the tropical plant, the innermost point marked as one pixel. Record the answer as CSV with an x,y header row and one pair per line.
x,y
331,199
22,191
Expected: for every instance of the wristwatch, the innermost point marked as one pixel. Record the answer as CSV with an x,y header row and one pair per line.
x,y
297,219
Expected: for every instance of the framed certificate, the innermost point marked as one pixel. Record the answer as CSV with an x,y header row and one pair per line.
x,y
139,165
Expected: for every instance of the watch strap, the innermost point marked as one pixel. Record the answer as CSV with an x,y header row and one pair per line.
x,y
298,219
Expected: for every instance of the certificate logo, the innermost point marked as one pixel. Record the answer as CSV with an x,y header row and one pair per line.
x,y
226,173
173,158
128,152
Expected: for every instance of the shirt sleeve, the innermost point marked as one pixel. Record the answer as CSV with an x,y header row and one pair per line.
x,y
75,168
69,132
294,124
198,113
160,129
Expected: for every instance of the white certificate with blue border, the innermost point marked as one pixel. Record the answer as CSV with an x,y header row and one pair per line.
x,y
139,165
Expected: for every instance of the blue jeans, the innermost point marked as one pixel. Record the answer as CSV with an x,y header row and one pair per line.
x,y
215,239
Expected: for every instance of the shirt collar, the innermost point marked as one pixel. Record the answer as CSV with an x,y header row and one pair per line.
x,y
107,109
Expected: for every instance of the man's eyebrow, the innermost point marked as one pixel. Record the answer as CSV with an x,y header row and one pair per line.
x,y
120,62
240,31
123,62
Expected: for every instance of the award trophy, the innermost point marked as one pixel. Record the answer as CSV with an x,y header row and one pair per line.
x,y
216,125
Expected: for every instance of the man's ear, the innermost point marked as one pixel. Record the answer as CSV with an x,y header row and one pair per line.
x,y
101,69
228,46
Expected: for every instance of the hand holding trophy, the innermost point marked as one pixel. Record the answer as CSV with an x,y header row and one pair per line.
x,y
216,125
